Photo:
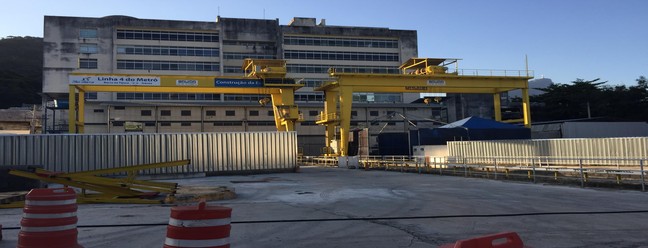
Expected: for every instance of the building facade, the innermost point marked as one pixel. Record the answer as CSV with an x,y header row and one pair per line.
x,y
127,45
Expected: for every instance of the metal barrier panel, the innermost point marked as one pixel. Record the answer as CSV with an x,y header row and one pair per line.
x,y
564,151
209,152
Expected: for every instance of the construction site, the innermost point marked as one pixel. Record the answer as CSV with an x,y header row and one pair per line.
x,y
259,189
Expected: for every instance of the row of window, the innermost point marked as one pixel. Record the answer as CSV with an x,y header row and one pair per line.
x,y
299,68
341,42
240,123
244,98
169,51
248,56
166,35
189,124
233,69
168,96
332,55
309,97
312,82
166,112
167,65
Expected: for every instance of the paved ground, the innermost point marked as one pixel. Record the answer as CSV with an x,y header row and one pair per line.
x,y
324,193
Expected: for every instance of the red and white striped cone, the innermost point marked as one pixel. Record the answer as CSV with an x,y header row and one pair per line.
x,y
199,226
49,219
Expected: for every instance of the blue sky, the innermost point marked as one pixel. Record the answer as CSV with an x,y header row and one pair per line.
x,y
563,39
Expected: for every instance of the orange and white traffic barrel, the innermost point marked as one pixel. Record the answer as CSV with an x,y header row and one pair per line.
x,y
199,226
49,219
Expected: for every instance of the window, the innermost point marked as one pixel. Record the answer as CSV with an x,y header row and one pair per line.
x,y
149,124
313,113
165,112
165,124
185,113
146,113
210,113
230,113
118,123
88,64
88,48
254,113
120,108
354,113
270,113
373,113
90,95
87,33
185,124
98,111
391,123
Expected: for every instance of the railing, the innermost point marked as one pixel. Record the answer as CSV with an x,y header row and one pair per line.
x,y
617,172
328,117
492,72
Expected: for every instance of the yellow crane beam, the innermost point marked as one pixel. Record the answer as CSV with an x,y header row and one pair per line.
x,y
264,77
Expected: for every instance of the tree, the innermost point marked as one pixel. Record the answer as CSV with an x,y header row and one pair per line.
x,y
580,99
21,70
583,99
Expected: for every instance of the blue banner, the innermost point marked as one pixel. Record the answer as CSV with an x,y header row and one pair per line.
x,y
223,82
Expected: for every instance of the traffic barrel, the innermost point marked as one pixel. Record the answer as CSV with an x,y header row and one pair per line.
x,y
49,219
498,240
199,226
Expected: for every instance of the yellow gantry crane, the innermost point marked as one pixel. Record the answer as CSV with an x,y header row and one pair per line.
x,y
419,75
262,76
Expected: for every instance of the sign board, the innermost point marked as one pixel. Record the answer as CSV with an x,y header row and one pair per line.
x,y
415,87
223,82
436,82
186,82
115,80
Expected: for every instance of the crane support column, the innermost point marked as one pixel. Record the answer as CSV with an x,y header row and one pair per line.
x,y
346,100
286,113
497,105
526,107
72,110
80,125
330,115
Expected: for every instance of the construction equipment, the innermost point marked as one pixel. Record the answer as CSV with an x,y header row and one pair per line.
x,y
96,188
419,75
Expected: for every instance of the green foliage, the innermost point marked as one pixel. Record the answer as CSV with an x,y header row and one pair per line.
x,y
21,70
572,101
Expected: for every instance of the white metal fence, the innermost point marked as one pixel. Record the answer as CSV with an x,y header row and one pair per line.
x,y
208,152
597,151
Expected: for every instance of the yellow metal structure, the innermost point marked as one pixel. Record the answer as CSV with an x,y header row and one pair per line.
x,y
263,77
104,189
419,75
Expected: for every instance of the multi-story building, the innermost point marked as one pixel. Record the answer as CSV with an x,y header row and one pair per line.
x,y
127,45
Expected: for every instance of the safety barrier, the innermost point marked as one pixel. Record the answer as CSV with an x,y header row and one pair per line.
x,y
199,226
588,171
498,240
49,219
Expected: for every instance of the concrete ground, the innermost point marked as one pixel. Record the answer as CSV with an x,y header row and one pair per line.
x,y
333,193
